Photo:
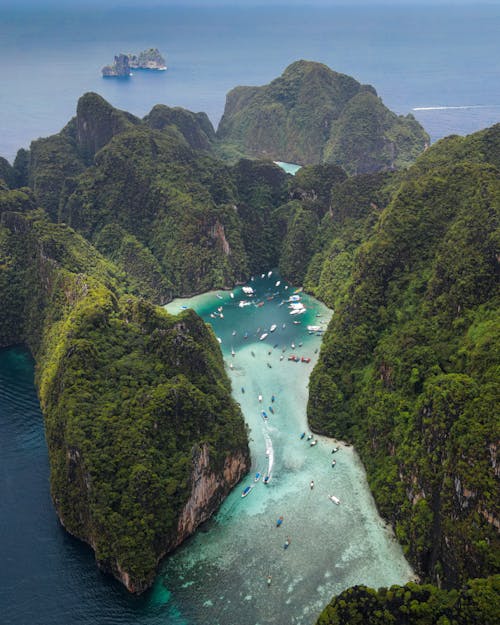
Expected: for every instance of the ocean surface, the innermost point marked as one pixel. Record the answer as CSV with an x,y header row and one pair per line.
x,y
440,63
219,576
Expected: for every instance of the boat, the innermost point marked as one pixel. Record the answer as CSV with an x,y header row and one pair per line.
x,y
231,295
309,436
334,499
260,397
184,307
234,332
269,274
253,353
287,542
246,491
266,479
269,365
281,357
245,336
284,325
242,389
294,298
243,303
231,366
273,328
264,415
314,328
278,283
292,345
334,462
269,579
335,450
259,304
257,477
279,521
302,435
263,336
297,311
247,290
219,339
220,309
305,359
221,315
273,398
263,276
314,442
233,353
311,485
271,409
218,296
296,323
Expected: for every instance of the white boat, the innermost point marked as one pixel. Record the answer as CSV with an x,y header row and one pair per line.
x,y
247,290
233,353
231,295
278,283
263,336
294,298
297,311
244,303
219,339
296,305
260,397
269,274
334,499
314,328
273,328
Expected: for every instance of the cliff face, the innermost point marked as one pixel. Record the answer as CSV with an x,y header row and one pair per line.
x,y
144,438
408,367
310,115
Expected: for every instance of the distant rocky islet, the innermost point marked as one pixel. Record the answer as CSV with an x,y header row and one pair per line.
x,y
150,59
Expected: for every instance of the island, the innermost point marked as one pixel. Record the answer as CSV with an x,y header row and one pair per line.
x,y
147,59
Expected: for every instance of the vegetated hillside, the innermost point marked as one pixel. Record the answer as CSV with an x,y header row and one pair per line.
x,y
311,114
474,604
170,215
409,367
144,438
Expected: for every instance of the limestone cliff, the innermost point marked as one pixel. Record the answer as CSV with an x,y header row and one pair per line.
x,y
310,115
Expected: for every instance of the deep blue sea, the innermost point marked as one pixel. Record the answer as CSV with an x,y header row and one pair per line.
x,y
442,63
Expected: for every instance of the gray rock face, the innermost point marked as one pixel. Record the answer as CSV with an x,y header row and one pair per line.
x,y
120,68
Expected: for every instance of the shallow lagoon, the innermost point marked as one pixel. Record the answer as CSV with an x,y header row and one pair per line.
x,y
220,575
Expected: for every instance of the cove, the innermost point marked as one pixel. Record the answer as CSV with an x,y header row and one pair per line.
x,y
220,575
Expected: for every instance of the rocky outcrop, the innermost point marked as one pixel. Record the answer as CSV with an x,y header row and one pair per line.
x,y
311,115
148,59
119,69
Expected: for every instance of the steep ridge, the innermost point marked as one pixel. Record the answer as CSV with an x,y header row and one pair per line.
x,y
408,368
144,438
311,114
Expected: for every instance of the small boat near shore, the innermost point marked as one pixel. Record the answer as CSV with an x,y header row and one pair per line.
x,y
273,328
263,336
279,522
246,491
257,477
334,499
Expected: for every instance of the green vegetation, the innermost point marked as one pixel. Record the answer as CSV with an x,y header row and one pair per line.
x,y
409,366
408,260
311,114
474,604
136,402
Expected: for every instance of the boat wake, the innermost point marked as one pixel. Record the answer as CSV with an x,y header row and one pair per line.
x,y
270,455
447,108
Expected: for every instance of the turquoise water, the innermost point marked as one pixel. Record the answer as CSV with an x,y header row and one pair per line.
x,y
220,575
290,168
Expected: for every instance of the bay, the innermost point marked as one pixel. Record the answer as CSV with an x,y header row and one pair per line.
x,y
422,58
220,574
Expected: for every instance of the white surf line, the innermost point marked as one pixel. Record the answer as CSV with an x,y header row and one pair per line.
x,y
446,108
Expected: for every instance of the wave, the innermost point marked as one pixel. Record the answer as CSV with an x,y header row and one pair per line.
x,y
446,108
